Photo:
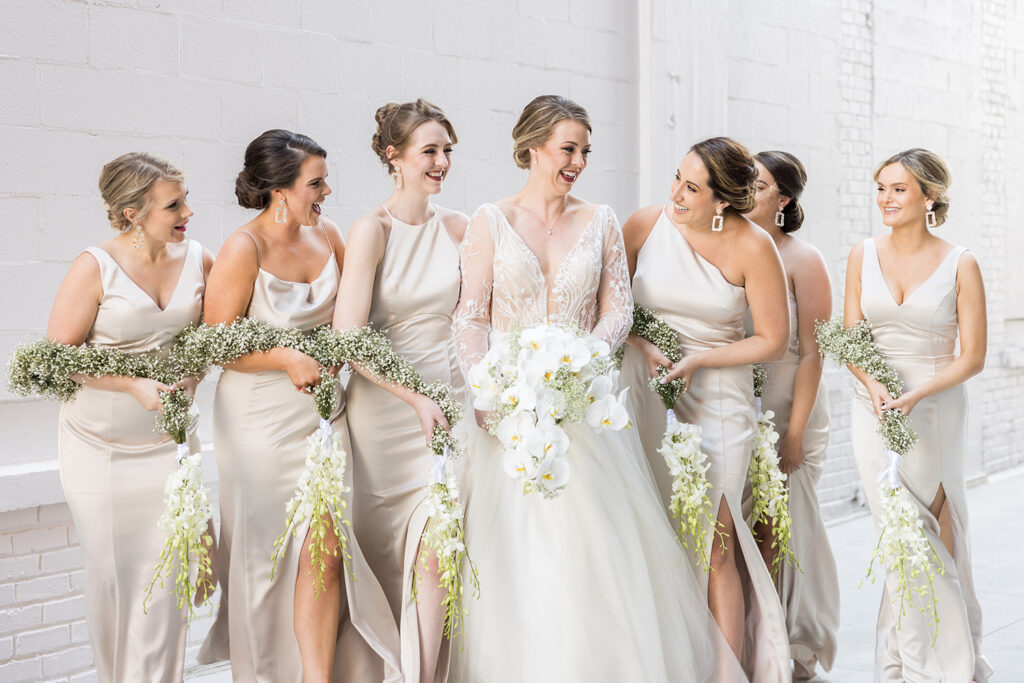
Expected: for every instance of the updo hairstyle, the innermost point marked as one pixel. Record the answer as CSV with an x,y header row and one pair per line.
x,y
930,172
272,161
125,182
790,180
538,120
397,122
732,175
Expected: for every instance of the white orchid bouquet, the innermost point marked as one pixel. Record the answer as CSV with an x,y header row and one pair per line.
x,y
769,493
902,545
534,381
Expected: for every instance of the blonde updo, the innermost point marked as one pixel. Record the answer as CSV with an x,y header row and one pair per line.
x,y
930,172
732,175
537,121
125,182
397,122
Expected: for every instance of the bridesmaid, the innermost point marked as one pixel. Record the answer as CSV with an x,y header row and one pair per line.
x,y
402,276
134,292
920,293
283,267
697,262
799,399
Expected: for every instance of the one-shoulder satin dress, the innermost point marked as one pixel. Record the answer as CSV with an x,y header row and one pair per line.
x,y
918,337
113,468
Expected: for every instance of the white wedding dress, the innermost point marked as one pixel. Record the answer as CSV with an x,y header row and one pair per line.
x,y
591,585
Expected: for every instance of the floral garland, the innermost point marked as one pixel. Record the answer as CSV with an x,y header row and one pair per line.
x,y
320,490
767,482
46,368
902,545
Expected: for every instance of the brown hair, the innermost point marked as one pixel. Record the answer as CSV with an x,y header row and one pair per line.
x,y
397,122
930,172
272,161
790,179
731,172
538,120
125,182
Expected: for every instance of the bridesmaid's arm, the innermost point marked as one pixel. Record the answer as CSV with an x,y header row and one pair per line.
x,y
228,292
972,322
72,316
852,314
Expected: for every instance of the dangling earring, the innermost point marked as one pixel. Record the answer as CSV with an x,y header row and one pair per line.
x,y
396,178
780,218
718,222
139,238
281,212
929,219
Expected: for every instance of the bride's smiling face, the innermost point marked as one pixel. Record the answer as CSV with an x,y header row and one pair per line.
x,y
563,156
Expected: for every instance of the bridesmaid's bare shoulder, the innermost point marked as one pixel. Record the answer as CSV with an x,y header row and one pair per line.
x,y
454,221
638,227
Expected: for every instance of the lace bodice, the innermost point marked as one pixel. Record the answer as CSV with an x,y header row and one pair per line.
x,y
503,286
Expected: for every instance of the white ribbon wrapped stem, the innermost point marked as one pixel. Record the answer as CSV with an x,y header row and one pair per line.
x,y
891,471
182,452
757,402
670,418
325,430
439,470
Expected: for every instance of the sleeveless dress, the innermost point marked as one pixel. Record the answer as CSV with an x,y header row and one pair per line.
x,y
591,585
696,300
415,289
260,428
919,339
113,469
810,594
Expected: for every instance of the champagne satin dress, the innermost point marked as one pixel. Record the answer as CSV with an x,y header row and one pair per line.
x,y
707,311
810,594
260,428
113,469
415,289
918,338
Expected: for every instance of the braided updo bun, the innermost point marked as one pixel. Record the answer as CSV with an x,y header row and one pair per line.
x,y
272,161
125,182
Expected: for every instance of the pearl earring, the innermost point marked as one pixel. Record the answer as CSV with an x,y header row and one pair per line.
x,y
281,212
139,238
396,178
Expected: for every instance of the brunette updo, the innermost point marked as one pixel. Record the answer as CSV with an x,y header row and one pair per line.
x,y
930,172
732,175
538,120
397,122
790,179
125,182
272,161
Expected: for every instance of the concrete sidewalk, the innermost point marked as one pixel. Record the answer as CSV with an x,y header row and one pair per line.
x,y
996,510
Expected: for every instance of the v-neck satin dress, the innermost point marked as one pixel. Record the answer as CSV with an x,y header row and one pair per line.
x,y
707,311
113,468
918,337
260,429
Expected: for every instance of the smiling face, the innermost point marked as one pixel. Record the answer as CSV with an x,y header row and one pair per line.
x,y
900,198
767,196
693,201
426,160
303,198
563,156
167,212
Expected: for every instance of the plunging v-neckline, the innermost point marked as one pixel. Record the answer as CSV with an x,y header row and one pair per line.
x,y
536,259
177,283
919,287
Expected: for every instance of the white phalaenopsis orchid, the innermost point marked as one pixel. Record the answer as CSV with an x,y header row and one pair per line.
x,y
532,382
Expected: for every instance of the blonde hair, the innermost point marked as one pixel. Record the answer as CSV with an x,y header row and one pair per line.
x,y
930,172
397,122
538,120
125,182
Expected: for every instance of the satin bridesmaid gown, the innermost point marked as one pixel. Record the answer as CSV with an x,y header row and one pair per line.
x,y
810,594
260,428
918,337
113,469
707,311
415,289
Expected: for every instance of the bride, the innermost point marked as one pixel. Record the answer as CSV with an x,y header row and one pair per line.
x,y
591,585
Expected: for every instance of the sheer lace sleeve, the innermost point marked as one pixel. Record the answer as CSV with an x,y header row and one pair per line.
x,y
614,294
472,319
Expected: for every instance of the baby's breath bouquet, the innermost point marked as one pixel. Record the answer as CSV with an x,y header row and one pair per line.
x,y
46,368
902,545
535,380
649,326
767,482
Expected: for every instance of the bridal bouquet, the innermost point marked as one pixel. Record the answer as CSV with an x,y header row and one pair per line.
x,y
533,382
902,546
46,368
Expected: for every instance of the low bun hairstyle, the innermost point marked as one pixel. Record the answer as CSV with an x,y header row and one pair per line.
x,y
790,179
930,172
538,120
397,122
731,172
125,182
272,161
